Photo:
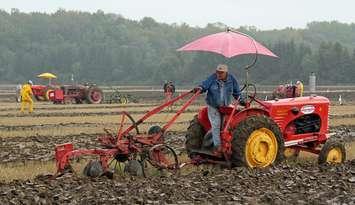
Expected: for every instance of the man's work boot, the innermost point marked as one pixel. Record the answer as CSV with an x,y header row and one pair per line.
x,y
217,151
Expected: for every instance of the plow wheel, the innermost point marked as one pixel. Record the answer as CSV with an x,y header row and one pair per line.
x,y
332,152
194,135
257,142
155,129
93,169
163,157
134,168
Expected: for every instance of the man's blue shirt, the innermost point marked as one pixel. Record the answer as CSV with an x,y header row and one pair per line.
x,y
219,93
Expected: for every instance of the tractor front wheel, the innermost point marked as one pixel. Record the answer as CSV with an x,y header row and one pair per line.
x,y
257,142
332,152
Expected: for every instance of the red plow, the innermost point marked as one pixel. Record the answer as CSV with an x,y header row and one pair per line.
x,y
126,146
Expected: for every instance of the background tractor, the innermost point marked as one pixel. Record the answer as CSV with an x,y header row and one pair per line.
x,y
77,93
286,91
60,94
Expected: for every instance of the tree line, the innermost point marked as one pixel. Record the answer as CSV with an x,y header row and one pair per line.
x,y
107,48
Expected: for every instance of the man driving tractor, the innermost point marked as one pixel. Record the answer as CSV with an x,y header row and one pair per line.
x,y
220,87
26,97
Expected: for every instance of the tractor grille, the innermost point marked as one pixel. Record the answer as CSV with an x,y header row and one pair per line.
x,y
280,119
328,121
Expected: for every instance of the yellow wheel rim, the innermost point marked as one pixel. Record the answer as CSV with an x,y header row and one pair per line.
x,y
47,94
335,155
261,148
124,101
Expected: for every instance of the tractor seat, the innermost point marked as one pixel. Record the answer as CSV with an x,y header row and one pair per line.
x,y
226,110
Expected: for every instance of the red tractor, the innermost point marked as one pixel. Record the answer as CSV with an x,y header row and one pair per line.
x,y
89,93
261,135
42,92
61,94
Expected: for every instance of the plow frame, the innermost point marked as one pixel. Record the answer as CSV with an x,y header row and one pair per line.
x,y
125,144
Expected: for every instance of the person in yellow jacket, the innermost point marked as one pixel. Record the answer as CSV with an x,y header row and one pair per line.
x,y
26,97
299,86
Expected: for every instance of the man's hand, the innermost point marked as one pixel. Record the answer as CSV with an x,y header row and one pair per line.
x,y
195,90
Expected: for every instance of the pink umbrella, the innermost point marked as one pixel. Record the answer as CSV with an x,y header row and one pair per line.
x,y
229,44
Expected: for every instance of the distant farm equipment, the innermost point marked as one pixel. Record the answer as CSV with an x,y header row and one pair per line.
x,y
78,94
117,97
63,94
286,91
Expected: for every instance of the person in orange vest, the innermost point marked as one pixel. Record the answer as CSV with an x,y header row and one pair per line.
x,y
26,97
299,86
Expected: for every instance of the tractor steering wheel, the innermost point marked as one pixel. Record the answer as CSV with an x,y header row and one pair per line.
x,y
250,96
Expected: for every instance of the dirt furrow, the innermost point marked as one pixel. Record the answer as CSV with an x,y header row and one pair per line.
x,y
283,184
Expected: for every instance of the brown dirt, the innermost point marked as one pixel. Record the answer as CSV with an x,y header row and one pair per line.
x,y
283,184
294,182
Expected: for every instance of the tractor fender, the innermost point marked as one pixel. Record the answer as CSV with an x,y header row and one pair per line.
x,y
238,117
203,118
242,115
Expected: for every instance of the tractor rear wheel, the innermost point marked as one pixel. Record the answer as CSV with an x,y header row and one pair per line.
x,y
257,142
194,135
332,152
94,95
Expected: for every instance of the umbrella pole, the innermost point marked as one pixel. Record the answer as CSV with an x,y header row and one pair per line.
x,y
254,44
250,65
247,83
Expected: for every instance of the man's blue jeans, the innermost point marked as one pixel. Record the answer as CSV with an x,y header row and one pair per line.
x,y
215,119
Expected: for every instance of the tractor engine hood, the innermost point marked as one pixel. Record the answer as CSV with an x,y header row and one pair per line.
x,y
286,110
297,101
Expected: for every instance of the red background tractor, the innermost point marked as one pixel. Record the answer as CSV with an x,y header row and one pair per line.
x,y
60,94
89,93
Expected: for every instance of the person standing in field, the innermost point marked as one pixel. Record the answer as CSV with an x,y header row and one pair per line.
x,y
169,90
299,86
26,97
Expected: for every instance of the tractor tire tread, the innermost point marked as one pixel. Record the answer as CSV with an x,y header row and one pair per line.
x,y
194,135
328,145
242,133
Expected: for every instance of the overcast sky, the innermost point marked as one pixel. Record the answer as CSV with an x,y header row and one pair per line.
x,y
264,14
